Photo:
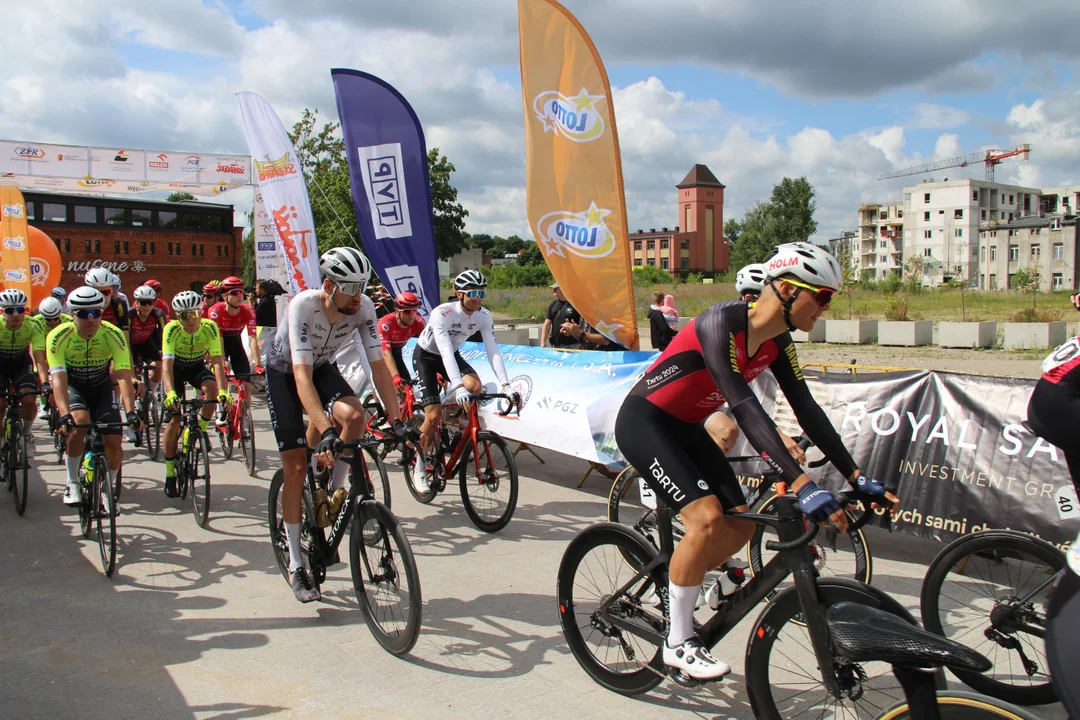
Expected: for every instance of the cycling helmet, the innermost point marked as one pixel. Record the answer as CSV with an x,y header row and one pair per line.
x,y
144,292
232,283
98,277
345,265
86,298
186,300
407,301
59,293
153,284
470,279
750,279
115,281
211,288
13,298
809,263
50,308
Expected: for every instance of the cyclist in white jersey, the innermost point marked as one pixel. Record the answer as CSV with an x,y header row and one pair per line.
x,y
449,326
301,378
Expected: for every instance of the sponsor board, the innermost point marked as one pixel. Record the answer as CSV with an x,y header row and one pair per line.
x,y
574,118
584,234
384,183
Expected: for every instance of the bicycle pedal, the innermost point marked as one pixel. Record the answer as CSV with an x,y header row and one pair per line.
x,y
685,680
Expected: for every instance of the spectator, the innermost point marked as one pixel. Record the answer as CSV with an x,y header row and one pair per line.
x,y
560,316
592,340
670,313
660,332
266,293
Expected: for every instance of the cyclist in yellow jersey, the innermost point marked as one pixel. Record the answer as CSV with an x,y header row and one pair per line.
x,y
79,355
185,343
50,315
19,336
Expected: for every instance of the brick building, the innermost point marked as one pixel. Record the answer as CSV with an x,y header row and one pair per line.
x,y
183,245
700,245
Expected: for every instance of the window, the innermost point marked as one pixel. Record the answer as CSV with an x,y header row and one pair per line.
x,y
67,245
664,263
115,216
1010,217
982,254
88,246
982,214
926,197
97,247
927,234
993,281
926,252
926,216
686,223
958,232
637,261
126,247
219,251
883,259
30,211
85,214
1014,252
1011,200
226,251
194,249
684,243
975,196
884,215
1056,281
650,245
116,247
140,218
167,219
637,245
899,213
663,244
1035,250
993,253
1059,251
177,249
200,250
192,221
54,212
684,263
215,223
152,248
143,248
170,249
884,244
958,214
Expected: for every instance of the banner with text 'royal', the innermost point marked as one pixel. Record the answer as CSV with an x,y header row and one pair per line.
x,y
281,184
388,170
14,241
574,186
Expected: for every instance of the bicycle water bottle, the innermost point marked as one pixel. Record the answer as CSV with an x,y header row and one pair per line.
x,y
732,576
88,468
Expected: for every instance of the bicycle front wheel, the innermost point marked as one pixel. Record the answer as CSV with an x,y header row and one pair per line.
x,y
385,577
152,431
105,508
18,467
961,705
247,439
377,478
489,481
198,475
990,590
59,441
225,438
413,464
592,570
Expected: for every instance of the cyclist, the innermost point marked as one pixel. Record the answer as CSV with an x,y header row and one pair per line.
x,y
233,316
708,364
750,281
60,294
116,311
1053,411
147,327
186,342
159,301
50,315
21,338
301,377
211,295
116,291
395,330
79,355
449,326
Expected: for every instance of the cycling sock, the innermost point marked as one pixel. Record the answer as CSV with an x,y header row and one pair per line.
x,y
296,554
341,475
203,423
72,464
681,599
170,467
153,386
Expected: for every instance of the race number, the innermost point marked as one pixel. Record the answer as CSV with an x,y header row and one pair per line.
x,y
1065,499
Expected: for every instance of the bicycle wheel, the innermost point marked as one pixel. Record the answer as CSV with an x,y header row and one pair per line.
x,y
961,705
18,467
990,591
247,439
198,475
781,668
412,462
59,441
489,484
629,505
378,487
278,539
225,438
385,578
835,554
152,429
104,508
592,570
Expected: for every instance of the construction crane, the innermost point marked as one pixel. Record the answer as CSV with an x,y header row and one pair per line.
x,y
991,158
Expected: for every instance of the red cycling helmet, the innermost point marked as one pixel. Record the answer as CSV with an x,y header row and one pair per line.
x,y
407,301
232,283
211,288
153,284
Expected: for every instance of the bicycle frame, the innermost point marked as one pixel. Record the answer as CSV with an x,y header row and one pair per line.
x,y
358,493
468,435
235,417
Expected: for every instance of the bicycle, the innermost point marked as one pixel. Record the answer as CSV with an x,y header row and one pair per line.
x,y
628,619
997,584
59,441
98,497
377,543
840,555
377,424
464,443
240,425
148,410
193,460
14,459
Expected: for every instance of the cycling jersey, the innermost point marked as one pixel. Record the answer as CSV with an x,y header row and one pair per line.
x,y
117,313
204,309
707,365
232,324
15,344
449,326
1060,366
86,362
163,306
393,336
143,330
44,325
188,349
308,338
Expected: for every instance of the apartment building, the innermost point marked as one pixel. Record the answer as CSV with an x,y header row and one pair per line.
x,y
1046,243
877,248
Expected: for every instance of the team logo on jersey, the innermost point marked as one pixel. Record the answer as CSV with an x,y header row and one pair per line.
x,y
574,118
584,234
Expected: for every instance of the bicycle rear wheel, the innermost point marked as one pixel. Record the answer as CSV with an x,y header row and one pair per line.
x,y
961,705
198,474
977,592
18,467
152,420
591,571
59,441
629,504
489,483
385,577
105,509
247,439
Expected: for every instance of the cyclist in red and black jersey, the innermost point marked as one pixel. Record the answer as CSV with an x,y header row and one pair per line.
x,y
233,316
159,301
395,330
1054,407
708,364
147,324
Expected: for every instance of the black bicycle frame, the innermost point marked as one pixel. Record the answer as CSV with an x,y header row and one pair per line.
x,y
358,493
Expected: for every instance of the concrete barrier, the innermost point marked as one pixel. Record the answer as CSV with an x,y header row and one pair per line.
x,y
512,336
851,332
1019,336
815,335
967,334
908,333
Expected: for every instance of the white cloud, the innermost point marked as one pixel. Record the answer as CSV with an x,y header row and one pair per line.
x,y
929,115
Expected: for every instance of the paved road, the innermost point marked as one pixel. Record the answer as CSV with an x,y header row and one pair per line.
x,y
199,623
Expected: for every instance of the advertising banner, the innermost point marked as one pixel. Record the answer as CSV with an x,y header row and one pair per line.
x,y
573,173
14,241
284,193
391,191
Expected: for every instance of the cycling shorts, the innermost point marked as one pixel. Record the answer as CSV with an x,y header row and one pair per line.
x,y
19,374
232,347
427,366
1054,415
98,400
286,410
194,375
146,352
679,461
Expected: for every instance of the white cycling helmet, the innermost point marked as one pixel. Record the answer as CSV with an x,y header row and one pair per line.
x,y
13,298
345,265
50,308
809,263
470,279
116,281
145,292
750,279
86,298
98,277
186,300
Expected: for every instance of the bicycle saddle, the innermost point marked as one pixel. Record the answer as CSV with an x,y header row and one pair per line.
x,y
864,634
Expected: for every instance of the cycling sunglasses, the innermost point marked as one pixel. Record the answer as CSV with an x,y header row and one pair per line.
x,y
209,297
15,310
144,303
235,292
188,314
88,314
407,312
474,294
823,296
351,289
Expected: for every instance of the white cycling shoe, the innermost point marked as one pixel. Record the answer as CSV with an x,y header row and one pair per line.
x,y
73,495
694,660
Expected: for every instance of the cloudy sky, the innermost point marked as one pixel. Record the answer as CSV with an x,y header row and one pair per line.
x,y
756,89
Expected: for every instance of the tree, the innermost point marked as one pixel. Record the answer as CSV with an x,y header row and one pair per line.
x,y
247,253
450,236
793,209
482,241
754,238
179,195
732,230
531,255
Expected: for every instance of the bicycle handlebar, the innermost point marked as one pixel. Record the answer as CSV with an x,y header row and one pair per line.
x,y
493,396
843,499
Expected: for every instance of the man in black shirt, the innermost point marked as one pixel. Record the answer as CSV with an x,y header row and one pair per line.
x,y
560,311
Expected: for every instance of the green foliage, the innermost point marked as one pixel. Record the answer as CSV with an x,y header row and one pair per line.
x,y
497,247
1032,314
531,255
896,307
449,215
754,240
695,278
512,276
179,195
788,216
247,253
651,275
